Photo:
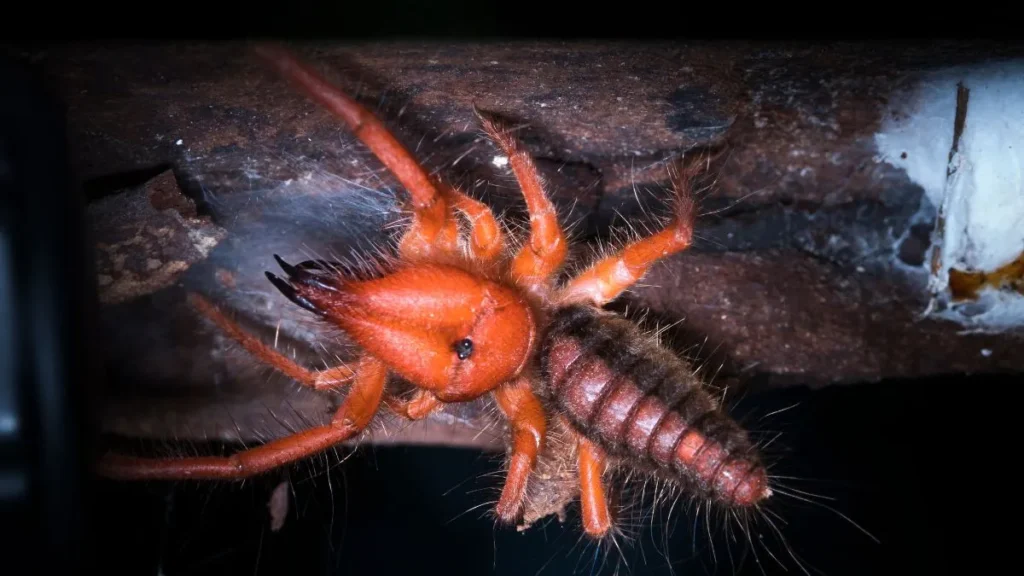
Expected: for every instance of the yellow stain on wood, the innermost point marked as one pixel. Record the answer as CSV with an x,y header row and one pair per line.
x,y
966,285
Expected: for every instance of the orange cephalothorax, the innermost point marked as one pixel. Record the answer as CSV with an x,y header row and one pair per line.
x,y
442,328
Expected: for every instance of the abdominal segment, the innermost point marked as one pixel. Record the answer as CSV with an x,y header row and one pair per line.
x,y
645,406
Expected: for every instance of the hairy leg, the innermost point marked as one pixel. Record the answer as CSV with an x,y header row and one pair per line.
x,y
421,405
486,241
320,380
433,229
609,277
352,417
594,504
526,415
545,251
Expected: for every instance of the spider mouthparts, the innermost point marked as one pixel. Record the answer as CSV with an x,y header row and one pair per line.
x,y
288,268
302,274
289,292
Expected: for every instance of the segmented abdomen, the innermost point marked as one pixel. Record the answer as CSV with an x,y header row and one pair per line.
x,y
643,404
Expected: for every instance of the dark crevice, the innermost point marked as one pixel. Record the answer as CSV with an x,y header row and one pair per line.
x,y
110,184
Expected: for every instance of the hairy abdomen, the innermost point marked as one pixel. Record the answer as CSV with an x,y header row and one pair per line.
x,y
645,406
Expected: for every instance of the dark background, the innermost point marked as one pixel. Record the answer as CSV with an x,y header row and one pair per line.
x,y
893,456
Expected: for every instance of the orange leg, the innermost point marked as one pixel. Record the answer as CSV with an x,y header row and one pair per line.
x,y
526,415
433,229
320,380
545,251
609,277
486,241
591,462
418,407
354,414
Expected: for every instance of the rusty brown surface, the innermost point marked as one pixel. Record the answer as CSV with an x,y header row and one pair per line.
x,y
799,117
805,280
146,238
791,319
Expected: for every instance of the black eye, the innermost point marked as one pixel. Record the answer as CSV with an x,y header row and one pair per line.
x,y
464,348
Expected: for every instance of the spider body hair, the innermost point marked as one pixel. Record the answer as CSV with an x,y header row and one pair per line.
x,y
462,311
646,407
